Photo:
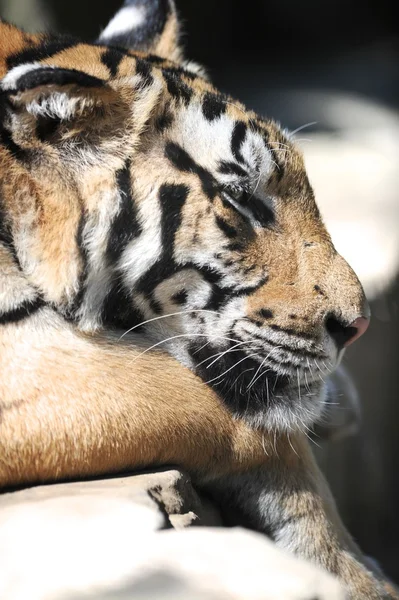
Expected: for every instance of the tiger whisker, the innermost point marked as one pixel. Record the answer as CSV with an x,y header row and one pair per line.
x,y
264,372
279,144
292,133
201,347
180,335
255,188
310,368
241,109
267,391
299,385
219,355
181,312
306,381
305,428
230,368
240,375
310,438
264,445
290,443
328,369
275,443
254,379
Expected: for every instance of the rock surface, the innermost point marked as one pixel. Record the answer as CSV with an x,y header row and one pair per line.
x,y
167,492
127,537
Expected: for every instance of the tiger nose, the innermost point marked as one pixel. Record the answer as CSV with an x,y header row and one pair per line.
x,y
344,335
360,325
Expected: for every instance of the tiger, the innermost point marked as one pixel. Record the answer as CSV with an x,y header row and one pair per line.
x,y
169,293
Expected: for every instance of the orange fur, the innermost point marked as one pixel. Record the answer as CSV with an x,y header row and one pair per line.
x,y
76,404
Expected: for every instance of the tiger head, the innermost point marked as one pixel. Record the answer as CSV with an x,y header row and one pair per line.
x,y
135,196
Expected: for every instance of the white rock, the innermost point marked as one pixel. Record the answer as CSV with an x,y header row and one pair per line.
x,y
99,547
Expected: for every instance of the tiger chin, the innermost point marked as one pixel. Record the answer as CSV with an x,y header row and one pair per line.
x,y
146,217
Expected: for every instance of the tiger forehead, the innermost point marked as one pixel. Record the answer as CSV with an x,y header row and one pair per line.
x,y
109,63
117,66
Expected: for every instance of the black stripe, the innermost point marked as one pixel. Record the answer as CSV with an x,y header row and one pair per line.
x,y
47,76
155,305
231,168
235,246
5,233
228,230
123,229
70,312
279,170
210,275
179,71
262,213
24,310
180,297
14,149
6,238
156,60
172,199
251,289
237,140
222,295
219,295
46,49
184,162
177,88
288,331
280,139
6,139
164,121
250,269
143,68
264,133
259,209
119,311
213,106
111,58
304,353
125,226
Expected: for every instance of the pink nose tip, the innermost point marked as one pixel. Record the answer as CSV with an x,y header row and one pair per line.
x,y
361,325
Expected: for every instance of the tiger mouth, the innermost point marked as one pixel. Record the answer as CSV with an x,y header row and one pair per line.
x,y
253,388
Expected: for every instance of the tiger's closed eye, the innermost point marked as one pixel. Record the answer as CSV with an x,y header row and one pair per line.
x,y
255,209
238,194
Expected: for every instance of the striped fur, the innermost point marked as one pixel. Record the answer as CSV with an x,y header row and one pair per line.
x,y
179,200
134,197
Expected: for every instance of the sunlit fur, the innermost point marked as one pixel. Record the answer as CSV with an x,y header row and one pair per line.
x,y
131,190
134,190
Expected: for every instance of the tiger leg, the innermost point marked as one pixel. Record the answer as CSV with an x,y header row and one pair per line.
x,y
288,499
74,406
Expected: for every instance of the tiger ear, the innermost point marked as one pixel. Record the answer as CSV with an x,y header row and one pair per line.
x,y
147,25
41,99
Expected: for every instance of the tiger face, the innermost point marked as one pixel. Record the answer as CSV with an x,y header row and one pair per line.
x,y
135,196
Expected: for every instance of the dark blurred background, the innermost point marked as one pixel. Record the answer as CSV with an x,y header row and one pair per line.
x,y
335,64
